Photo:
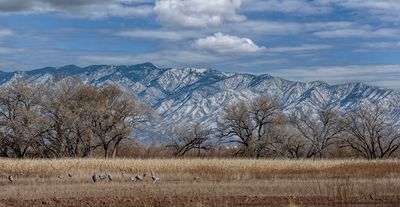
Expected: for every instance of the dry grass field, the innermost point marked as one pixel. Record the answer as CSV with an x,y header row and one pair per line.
x,y
223,182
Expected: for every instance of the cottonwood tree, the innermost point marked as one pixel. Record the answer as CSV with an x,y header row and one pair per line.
x,y
20,117
185,137
279,141
370,134
68,119
318,130
85,103
60,106
247,124
113,118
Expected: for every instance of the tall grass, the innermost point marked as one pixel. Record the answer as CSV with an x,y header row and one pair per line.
x,y
218,168
224,182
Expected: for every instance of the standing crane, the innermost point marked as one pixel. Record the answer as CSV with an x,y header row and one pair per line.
x,y
11,178
94,177
155,177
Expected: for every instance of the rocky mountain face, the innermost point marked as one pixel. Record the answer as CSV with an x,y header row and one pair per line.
x,y
188,94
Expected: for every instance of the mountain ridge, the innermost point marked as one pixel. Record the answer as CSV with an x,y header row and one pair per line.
x,y
187,94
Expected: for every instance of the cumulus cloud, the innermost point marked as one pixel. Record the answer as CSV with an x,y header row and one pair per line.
x,y
197,13
222,43
92,9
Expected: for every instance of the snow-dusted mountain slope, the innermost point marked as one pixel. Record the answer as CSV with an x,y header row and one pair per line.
x,y
198,94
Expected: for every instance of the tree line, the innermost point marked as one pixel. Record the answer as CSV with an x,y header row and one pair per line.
x,y
69,119
258,129
73,119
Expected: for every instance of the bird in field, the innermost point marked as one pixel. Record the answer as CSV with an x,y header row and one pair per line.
x,y
11,178
155,177
196,179
94,177
60,177
70,174
109,176
137,178
102,177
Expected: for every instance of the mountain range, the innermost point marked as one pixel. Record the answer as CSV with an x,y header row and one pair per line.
x,y
187,94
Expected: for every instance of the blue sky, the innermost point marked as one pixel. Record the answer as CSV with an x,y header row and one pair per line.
x,y
336,41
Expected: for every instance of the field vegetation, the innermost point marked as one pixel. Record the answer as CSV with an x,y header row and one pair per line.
x,y
223,182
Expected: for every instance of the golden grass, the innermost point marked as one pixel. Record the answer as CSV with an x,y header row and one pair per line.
x,y
225,168
224,182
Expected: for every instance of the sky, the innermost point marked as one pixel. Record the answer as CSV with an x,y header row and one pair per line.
x,y
336,41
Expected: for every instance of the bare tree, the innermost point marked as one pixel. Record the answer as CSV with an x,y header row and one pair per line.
x,y
67,119
60,106
248,124
85,103
279,141
114,118
185,137
319,130
20,116
370,134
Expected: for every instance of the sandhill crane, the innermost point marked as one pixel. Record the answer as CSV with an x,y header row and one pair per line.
x,y
137,178
109,176
60,177
196,179
11,178
102,177
94,177
155,177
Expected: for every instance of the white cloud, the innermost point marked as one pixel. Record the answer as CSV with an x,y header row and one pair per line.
x,y
92,9
295,7
158,34
222,43
197,13
301,48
